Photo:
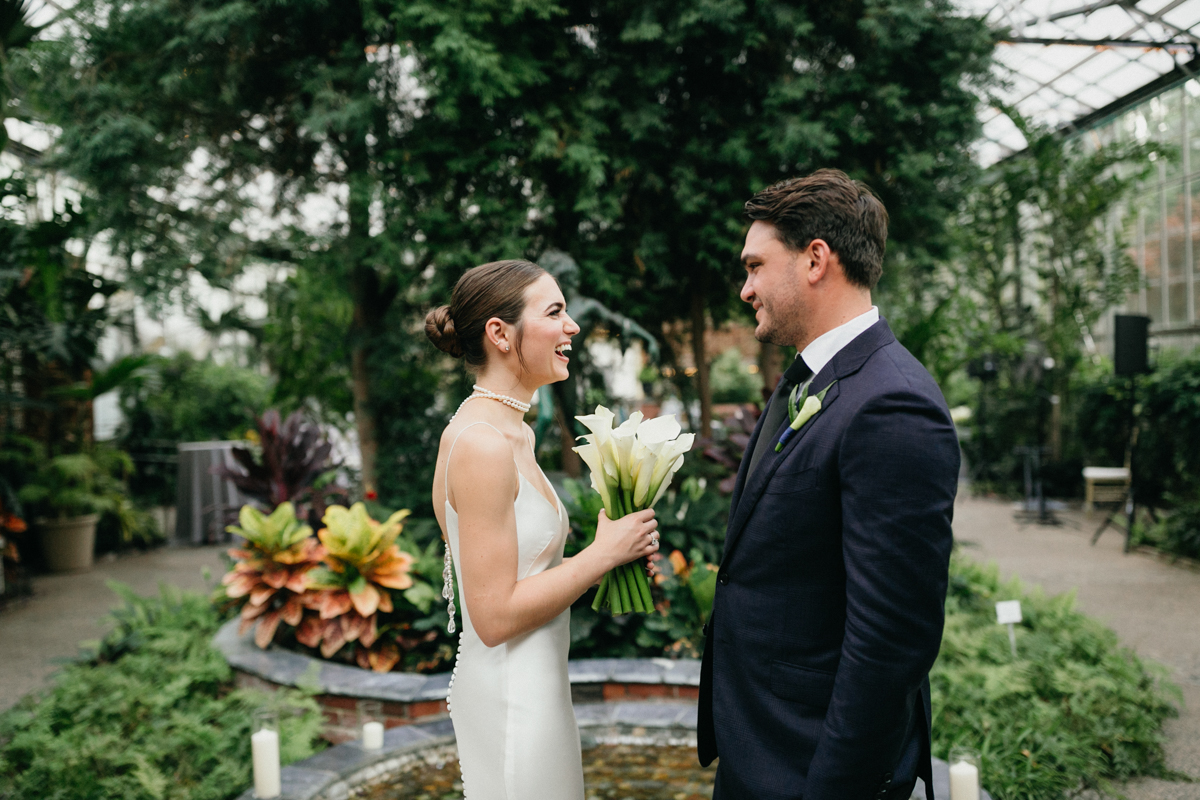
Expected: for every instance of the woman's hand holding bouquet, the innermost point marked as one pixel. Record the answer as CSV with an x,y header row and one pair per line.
x,y
632,466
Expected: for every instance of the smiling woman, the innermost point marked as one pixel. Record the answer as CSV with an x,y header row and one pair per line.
x,y
510,697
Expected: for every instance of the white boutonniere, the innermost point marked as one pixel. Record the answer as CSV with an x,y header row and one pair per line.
x,y
801,411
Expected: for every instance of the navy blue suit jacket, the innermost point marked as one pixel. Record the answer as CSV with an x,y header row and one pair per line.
x,y
830,596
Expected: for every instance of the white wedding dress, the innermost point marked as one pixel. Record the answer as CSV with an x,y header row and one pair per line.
x,y
511,704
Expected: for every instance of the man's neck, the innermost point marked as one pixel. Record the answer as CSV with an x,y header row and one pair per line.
x,y
835,318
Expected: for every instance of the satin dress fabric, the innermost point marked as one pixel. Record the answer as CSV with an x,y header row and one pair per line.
x,y
511,704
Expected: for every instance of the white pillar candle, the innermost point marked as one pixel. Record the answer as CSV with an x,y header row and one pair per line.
x,y
264,747
372,733
964,781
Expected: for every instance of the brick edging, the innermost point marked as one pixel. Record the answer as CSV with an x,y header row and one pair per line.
x,y
408,697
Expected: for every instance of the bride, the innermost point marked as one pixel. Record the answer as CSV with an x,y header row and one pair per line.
x,y
510,699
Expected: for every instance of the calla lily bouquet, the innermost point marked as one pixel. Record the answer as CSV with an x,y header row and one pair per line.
x,y
632,466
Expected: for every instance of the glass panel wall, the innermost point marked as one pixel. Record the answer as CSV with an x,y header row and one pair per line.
x,y
1163,220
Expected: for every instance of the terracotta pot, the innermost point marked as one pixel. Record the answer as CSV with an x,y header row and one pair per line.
x,y
69,544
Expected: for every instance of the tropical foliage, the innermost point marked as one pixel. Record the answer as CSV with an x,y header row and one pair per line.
x,y
1039,262
270,569
360,590
362,564
290,464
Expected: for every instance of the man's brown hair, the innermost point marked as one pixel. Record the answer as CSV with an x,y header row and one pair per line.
x,y
828,205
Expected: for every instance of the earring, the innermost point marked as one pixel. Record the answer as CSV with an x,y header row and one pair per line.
x,y
506,347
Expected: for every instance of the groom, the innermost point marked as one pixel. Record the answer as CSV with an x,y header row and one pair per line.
x,y
829,606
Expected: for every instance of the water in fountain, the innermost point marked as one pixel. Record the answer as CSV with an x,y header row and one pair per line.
x,y
610,772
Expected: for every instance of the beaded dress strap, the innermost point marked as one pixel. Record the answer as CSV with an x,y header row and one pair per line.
x,y
447,562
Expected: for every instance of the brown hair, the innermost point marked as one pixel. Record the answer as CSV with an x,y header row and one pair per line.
x,y
828,205
489,290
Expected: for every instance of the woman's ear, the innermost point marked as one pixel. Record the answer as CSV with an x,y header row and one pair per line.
x,y
494,331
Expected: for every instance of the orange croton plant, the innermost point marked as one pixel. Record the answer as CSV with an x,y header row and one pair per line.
x,y
362,563
271,567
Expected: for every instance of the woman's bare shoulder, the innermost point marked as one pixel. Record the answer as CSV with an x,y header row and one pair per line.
x,y
474,441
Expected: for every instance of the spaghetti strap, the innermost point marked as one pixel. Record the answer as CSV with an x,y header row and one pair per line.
x,y
447,566
446,488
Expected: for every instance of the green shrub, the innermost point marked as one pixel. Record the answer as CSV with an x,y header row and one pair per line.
x,y
1176,532
730,381
1073,710
151,715
182,399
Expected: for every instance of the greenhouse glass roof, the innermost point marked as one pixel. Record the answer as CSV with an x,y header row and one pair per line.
x,y
1069,62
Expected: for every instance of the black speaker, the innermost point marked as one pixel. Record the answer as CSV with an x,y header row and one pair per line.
x,y
1130,355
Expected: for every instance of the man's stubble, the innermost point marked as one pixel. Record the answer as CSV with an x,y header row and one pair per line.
x,y
787,315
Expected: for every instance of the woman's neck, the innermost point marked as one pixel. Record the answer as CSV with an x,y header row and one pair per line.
x,y
503,382
505,409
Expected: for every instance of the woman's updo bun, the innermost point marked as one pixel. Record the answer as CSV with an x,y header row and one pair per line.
x,y
489,290
439,327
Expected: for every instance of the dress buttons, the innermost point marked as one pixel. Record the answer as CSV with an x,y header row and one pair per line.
x,y
723,578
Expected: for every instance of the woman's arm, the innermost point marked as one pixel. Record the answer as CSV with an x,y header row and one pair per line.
x,y
484,481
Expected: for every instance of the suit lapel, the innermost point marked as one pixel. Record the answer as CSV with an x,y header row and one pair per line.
x,y
757,483
749,488
744,466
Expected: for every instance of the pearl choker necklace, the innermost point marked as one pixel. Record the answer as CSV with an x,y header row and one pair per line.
x,y
479,391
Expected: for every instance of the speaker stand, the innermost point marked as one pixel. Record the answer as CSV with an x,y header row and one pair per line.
x,y
1127,504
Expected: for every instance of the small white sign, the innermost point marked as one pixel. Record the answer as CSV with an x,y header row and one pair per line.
x,y
1008,612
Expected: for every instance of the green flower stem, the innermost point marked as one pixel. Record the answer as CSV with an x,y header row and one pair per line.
x,y
635,593
643,583
625,602
601,593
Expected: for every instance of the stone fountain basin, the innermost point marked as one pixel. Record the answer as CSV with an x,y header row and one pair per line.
x,y
617,701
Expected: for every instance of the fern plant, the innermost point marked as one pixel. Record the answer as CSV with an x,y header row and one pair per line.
x,y
151,714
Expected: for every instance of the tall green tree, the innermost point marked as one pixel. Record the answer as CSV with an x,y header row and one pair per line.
x,y
682,109
448,133
202,128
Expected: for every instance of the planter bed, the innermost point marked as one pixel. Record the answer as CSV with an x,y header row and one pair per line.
x,y
408,697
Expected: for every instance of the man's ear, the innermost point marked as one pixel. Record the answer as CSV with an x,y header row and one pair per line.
x,y
819,261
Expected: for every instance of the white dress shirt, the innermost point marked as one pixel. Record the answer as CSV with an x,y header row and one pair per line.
x,y
821,350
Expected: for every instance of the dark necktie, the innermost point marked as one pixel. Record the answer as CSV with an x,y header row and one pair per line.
x,y
777,412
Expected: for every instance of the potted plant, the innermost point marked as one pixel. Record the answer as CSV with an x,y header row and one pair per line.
x,y
68,493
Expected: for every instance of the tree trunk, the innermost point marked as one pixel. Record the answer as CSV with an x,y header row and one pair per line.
x,y
365,289
770,366
699,330
364,417
570,459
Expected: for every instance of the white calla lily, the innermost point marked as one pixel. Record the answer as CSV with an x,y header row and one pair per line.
x,y
670,459
600,424
631,468
591,456
666,483
659,429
